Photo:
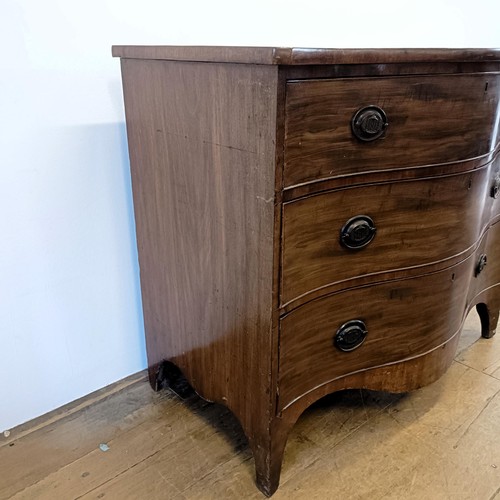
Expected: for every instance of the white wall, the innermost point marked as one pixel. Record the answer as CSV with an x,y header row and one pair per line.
x,y
70,310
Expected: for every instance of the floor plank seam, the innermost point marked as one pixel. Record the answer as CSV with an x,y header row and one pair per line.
x,y
217,467
488,402
69,464
495,494
66,414
450,445
349,434
121,436
118,475
476,370
461,351
420,441
110,442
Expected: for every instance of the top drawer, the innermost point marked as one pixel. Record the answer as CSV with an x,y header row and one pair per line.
x,y
431,120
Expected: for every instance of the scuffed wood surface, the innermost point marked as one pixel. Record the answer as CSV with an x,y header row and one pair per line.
x,y
203,173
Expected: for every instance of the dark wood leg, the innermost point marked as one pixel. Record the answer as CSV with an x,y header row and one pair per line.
x,y
153,376
488,313
268,455
268,468
167,375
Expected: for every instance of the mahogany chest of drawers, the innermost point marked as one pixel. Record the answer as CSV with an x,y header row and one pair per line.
x,y
311,220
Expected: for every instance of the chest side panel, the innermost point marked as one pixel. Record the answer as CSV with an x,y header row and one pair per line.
x,y
201,140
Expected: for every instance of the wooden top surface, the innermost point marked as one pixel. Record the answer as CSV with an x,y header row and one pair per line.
x,y
298,56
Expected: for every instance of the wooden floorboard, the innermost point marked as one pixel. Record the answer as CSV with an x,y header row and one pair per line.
x,y
442,441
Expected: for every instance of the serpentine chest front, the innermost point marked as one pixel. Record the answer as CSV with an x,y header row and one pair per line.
x,y
311,220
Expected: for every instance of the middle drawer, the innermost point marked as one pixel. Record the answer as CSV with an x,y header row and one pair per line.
x,y
408,223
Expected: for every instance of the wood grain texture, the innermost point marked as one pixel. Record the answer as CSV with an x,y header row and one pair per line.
x,y
352,443
299,56
235,55
356,70
383,176
482,292
438,118
61,437
485,287
302,56
397,328
202,159
242,179
401,376
418,222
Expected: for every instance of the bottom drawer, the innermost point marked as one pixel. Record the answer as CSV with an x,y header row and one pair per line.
x,y
402,319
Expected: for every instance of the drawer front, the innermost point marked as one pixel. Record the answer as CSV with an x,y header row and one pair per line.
x,y
402,318
494,189
488,276
431,120
417,222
